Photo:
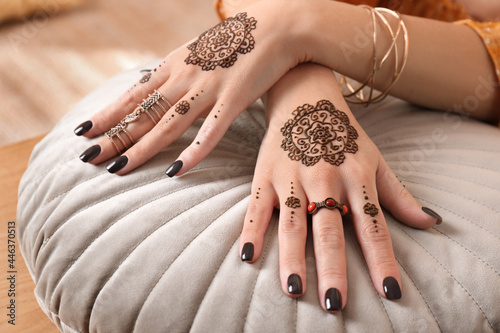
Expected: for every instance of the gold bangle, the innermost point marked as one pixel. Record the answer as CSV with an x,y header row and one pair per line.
x,y
356,96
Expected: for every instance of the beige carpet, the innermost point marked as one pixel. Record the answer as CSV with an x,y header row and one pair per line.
x,y
49,62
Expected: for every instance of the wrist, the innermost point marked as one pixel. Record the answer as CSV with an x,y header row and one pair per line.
x,y
305,84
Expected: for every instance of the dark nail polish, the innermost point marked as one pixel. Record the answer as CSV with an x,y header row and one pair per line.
x,y
432,213
294,285
247,252
391,288
174,168
91,153
333,300
83,128
118,164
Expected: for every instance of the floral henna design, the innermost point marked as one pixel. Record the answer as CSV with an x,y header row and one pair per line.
x,y
318,132
370,209
182,107
220,45
292,202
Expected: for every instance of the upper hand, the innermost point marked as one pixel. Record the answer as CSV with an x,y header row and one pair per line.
x,y
215,76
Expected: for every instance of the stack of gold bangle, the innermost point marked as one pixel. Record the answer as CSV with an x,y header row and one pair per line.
x,y
357,96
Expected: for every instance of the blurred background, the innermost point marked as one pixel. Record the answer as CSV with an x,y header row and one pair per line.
x,y
54,52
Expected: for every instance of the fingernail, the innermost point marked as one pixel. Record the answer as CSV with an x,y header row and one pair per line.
x,y
117,164
91,153
83,128
294,285
174,168
333,300
247,252
391,288
432,213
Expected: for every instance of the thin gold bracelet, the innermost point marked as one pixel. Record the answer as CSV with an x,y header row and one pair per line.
x,y
356,96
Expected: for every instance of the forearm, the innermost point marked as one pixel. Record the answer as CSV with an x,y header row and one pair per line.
x,y
446,62
448,66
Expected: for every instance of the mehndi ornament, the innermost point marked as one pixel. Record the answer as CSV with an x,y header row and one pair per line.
x,y
153,103
319,132
220,45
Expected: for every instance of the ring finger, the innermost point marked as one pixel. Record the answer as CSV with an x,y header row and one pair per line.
x,y
375,240
292,239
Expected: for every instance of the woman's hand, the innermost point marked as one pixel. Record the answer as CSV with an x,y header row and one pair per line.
x,y
314,149
215,76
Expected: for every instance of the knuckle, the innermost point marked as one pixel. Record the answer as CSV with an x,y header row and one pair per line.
x,y
376,234
207,131
359,168
162,127
293,229
320,178
330,237
332,273
129,99
255,208
385,262
293,261
139,150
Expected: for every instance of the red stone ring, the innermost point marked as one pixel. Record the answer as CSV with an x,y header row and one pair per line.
x,y
329,203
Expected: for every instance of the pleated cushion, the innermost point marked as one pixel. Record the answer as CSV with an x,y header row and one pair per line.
x,y
146,253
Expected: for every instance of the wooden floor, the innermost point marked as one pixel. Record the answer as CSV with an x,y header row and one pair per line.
x,y
46,67
49,63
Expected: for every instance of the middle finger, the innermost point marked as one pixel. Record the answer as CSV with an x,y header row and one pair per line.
x,y
329,249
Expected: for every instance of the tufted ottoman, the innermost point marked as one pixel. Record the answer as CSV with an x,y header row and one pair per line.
x,y
146,253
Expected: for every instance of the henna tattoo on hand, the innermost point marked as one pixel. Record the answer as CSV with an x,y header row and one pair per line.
x,y
370,209
318,132
182,107
145,78
292,202
220,45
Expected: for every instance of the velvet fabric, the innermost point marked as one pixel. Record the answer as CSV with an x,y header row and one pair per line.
x,y
149,253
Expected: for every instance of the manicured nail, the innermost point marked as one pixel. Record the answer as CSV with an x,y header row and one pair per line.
x,y
117,164
294,285
247,252
83,128
174,168
91,153
432,213
391,288
333,300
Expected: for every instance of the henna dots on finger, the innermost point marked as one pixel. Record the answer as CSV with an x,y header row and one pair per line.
x,y
220,45
292,202
319,132
370,209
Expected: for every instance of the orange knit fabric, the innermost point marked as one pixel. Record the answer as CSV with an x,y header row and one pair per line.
x,y
490,34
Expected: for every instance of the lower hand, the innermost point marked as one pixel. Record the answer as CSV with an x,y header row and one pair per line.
x,y
301,162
